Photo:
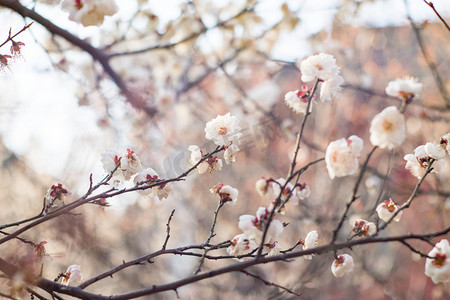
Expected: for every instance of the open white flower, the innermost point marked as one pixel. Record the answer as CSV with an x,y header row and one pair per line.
x,y
341,157
322,66
223,130
435,151
388,208
130,164
302,191
438,267
331,88
418,162
388,129
241,244
110,160
342,265
72,276
298,100
89,12
230,153
408,88
311,241
253,226
196,156
226,193
278,184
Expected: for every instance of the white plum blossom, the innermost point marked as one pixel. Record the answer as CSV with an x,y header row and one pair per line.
x,y
438,267
110,160
89,12
55,196
418,162
388,128
445,142
322,66
130,164
212,163
196,156
223,130
274,249
230,153
311,241
298,100
408,88
341,157
278,184
388,208
263,187
331,88
241,245
372,184
253,226
435,151
161,191
226,193
342,265
302,191
364,228
72,276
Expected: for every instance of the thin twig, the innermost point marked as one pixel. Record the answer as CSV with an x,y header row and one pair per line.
x,y
430,4
269,283
168,230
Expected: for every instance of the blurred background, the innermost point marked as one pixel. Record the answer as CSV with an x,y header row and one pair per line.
x,y
59,111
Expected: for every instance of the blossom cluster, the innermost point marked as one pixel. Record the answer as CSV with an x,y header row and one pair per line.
x,y
128,167
424,155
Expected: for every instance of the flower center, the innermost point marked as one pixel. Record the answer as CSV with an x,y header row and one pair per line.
x,y
387,126
222,130
439,260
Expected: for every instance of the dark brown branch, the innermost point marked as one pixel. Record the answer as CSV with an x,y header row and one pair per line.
x,y
430,4
269,283
168,230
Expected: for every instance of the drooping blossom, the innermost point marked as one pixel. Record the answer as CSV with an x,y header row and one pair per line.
x,y
4,62
230,153
438,267
226,193
298,100
341,157
89,12
223,130
388,128
407,88
342,265
253,226
55,196
418,162
16,47
149,176
364,228
331,88
72,276
196,156
264,188
311,241
302,191
388,208
241,245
